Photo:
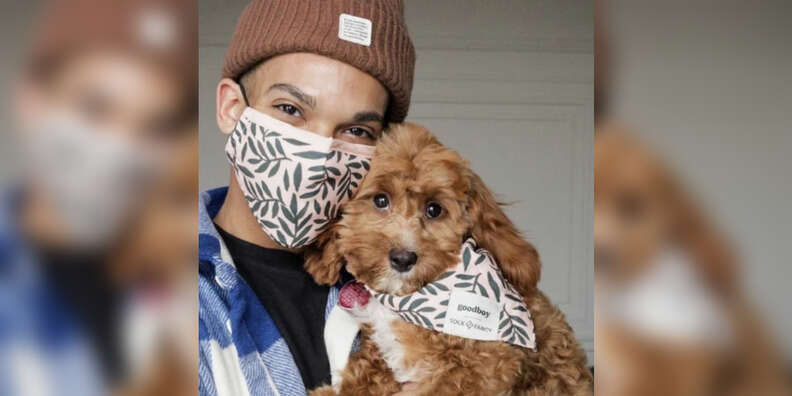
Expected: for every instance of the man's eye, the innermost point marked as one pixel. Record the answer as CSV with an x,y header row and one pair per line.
x,y
361,133
288,109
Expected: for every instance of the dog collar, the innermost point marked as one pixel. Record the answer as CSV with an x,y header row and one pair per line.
x,y
472,300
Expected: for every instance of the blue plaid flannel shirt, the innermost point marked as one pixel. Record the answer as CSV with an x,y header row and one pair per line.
x,y
241,350
44,350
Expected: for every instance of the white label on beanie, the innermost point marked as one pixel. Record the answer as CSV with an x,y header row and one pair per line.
x,y
354,29
156,28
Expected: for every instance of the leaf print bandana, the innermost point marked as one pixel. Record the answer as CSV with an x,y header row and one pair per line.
x,y
293,180
472,300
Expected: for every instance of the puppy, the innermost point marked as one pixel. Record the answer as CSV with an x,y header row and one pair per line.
x,y
641,209
671,318
420,201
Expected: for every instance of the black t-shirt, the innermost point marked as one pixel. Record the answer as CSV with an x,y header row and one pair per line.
x,y
81,280
293,300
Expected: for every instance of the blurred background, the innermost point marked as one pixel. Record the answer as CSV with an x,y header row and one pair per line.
x,y
98,191
692,154
508,84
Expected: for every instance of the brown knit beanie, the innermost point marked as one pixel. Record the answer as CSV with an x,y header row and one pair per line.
x,y
162,31
367,34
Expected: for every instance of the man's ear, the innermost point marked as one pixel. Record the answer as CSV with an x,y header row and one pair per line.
x,y
28,102
230,105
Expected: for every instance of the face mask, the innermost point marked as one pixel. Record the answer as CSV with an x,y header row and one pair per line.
x,y
472,300
92,177
293,180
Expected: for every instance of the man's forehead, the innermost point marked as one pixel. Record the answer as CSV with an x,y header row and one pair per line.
x,y
318,76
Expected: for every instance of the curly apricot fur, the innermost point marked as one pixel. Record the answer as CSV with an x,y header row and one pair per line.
x,y
412,168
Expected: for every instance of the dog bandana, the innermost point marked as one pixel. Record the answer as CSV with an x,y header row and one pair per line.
x,y
472,300
293,180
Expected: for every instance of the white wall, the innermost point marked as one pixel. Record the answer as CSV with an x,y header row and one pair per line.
x,y
710,83
15,31
509,84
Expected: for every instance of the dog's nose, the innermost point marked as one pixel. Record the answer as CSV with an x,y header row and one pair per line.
x,y
402,260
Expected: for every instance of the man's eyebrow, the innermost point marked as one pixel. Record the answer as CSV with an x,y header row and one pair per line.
x,y
366,116
296,92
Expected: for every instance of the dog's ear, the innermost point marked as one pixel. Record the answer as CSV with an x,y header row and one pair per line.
x,y
323,259
712,254
493,231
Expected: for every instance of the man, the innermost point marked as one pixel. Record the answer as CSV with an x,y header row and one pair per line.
x,y
302,80
105,94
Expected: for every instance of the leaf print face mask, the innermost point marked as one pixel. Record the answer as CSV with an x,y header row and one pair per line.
x,y
293,180
95,176
472,300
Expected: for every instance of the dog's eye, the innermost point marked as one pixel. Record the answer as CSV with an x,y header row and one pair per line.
x,y
433,209
381,201
631,207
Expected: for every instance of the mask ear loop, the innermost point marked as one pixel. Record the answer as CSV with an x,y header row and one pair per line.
x,y
244,93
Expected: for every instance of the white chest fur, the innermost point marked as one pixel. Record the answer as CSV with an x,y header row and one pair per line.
x,y
340,330
382,320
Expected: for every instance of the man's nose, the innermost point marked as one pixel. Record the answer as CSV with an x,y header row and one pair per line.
x,y
321,128
402,260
